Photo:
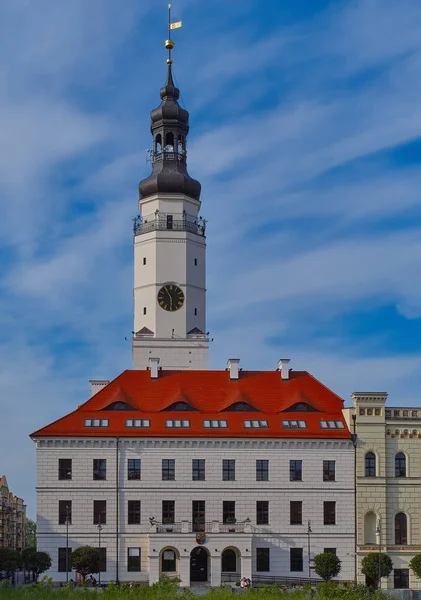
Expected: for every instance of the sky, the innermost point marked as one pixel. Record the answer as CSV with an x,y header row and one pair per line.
x,y
305,134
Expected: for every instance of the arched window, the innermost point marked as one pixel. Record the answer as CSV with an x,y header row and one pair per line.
x,y
229,561
400,465
401,529
169,142
370,464
169,563
370,522
158,144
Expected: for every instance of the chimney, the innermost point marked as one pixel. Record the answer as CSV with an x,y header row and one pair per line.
x,y
283,367
233,368
97,385
153,366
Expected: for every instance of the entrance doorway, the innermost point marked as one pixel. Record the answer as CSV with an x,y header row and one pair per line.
x,y
198,565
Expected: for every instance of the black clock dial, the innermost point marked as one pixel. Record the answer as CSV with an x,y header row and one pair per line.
x,y
170,297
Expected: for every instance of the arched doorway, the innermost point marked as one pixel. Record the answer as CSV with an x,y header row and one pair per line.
x,y
198,564
230,564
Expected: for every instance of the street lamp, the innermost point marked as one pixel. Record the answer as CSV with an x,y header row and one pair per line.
x,y
379,542
309,532
67,521
99,549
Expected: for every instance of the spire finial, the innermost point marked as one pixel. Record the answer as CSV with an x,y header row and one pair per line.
x,y
169,44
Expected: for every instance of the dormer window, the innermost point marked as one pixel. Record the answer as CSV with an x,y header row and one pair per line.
x,y
294,424
255,424
119,405
96,422
301,407
177,423
214,424
332,425
240,407
138,423
180,406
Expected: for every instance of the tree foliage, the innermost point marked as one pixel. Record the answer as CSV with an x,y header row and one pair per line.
x,y
35,562
327,565
9,560
415,565
31,533
85,560
370,565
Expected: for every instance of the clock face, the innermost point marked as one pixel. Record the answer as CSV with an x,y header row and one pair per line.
x,y
170,297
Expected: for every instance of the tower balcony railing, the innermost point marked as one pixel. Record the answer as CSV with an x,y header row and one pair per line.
x,y
169,223
167,155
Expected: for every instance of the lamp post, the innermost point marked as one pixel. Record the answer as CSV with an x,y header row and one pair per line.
x,y
308,549
99,549
67,521
379,542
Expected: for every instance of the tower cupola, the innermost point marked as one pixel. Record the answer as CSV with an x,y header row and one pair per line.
x,y
169,128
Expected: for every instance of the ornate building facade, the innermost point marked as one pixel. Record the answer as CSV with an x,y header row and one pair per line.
x,y
12,518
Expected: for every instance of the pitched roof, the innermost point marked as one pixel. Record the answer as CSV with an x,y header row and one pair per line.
x,y
209,392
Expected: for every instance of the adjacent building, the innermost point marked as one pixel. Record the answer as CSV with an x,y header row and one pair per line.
x,y
12,518
388,480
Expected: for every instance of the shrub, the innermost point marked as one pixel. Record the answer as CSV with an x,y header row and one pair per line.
x,y
370,566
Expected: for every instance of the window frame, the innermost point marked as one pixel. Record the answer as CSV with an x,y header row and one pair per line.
x,y
166,562
262,469
296,512
398,575
228,469
296,560
198,469
130,568
134,472
61,560
133,512
64,472
263,560
228,512
329,515
62,512
401,529
168,512
370,464
400,464
99,469
293,469
262,512
168,469
329,472
97,512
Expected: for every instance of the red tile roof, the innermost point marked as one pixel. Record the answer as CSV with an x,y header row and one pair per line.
x,y
209,393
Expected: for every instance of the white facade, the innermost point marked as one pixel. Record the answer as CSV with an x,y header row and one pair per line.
x,y
170,253
245,536
387,484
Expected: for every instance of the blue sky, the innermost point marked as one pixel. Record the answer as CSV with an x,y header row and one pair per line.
x,y
305,135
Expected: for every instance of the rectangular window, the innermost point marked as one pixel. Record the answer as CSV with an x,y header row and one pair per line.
x,y
296,559
296,512
294,424
262,559
169,221
168,469
138,423
401,579
144,260
328,470
198,469
195,312
168,511
228,470
262,512
195,262
177,423
330,551
100,512
214,423
62,560
144,310
295,470
198,515
64,468
133,560
133,512
329,513
254,424
228,511
100,469
133,469
102,559
64,512
262,470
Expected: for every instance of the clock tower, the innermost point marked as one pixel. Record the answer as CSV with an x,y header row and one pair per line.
x,y
169,248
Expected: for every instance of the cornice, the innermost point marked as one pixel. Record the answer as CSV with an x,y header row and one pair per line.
x,y
217,444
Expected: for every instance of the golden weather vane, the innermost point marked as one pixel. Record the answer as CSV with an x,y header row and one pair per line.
x,y
169,44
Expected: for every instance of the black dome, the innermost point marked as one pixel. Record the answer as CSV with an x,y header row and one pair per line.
x,y
171,177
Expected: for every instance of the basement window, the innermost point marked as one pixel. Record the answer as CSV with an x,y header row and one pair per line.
x,y
332,425
294,425
214,424
96,422
177,423
254,424
138,423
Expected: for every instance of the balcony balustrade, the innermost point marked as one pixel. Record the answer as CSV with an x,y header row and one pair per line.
x,y
207,527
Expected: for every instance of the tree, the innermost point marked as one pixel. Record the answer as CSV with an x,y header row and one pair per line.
x,y
9,561
415,565
327,565
35,562
370,566
31,533
85,560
